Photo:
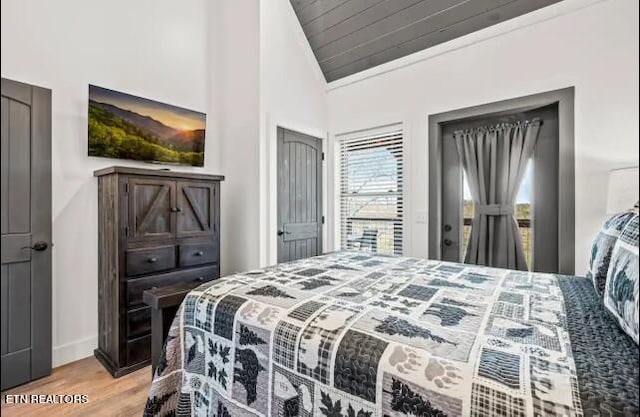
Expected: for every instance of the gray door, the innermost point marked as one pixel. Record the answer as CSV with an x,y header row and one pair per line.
x,y
26,233
299,196
452,203
541,221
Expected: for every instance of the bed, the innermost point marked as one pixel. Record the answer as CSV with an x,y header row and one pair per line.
x,y
353,334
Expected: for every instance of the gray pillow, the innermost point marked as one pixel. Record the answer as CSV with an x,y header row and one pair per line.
x,y
621,291
602,249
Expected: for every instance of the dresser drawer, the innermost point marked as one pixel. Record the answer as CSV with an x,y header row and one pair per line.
x,y
148,260
135,287
138,322
198,254
139,350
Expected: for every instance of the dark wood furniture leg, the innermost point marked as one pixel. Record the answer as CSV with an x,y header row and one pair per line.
x,y
164,303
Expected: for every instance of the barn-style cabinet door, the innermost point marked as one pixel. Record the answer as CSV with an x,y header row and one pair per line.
x,y
196,209
152,205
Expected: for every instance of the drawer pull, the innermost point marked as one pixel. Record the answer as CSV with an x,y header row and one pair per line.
x,y
197,254
146,260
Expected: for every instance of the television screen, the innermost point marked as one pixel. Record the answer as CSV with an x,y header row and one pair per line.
x,y
129,127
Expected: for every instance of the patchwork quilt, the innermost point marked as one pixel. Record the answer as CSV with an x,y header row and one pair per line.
x,y
355,335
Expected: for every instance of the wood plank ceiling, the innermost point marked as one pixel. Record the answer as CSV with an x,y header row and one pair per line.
x,y
349,36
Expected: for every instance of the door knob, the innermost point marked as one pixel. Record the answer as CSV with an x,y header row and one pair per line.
x,y
38,246
448,242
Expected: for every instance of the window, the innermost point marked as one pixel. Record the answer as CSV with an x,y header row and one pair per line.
x,y
371,191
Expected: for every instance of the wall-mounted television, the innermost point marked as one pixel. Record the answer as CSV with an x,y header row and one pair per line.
x,y
124,126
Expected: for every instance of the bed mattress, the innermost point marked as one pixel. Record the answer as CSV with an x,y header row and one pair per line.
x,y
352,334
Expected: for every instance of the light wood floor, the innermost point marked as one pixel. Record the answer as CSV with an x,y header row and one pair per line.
x,y
120,397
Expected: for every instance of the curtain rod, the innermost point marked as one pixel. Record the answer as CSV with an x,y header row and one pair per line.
x,y
503,124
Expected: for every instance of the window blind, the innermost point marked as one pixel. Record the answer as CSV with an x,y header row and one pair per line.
x,y
371,191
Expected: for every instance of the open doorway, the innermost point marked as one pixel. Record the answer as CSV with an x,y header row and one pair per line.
x,y
542,206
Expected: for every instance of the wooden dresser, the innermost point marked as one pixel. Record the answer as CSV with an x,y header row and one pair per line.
x,y
155,228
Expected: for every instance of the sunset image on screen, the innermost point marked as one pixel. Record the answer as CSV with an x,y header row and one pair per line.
x,y
129,127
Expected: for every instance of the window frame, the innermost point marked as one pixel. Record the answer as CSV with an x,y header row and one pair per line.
x,y
395,136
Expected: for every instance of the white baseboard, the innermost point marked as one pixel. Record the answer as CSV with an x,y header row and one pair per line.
x,y
74,351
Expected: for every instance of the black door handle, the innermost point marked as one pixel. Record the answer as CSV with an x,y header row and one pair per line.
x,y
38,246
448,242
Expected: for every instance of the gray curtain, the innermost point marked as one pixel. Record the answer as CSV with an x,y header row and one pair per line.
x,y
495,159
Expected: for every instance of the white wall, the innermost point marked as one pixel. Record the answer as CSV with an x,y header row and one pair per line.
x,y
152,48
238,63
590,45
267,77
293,96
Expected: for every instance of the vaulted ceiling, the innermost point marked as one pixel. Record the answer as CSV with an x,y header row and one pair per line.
x,y
349,36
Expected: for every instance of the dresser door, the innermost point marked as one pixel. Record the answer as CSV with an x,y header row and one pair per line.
x,y
152,208
196,209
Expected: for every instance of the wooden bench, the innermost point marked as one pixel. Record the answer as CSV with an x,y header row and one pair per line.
x,y
164,303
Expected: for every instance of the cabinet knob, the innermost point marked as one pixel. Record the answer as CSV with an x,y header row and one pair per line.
x,y
176,209
152,260
199,253
199,279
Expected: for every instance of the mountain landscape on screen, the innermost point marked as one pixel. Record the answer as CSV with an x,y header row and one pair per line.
x,y
129,127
